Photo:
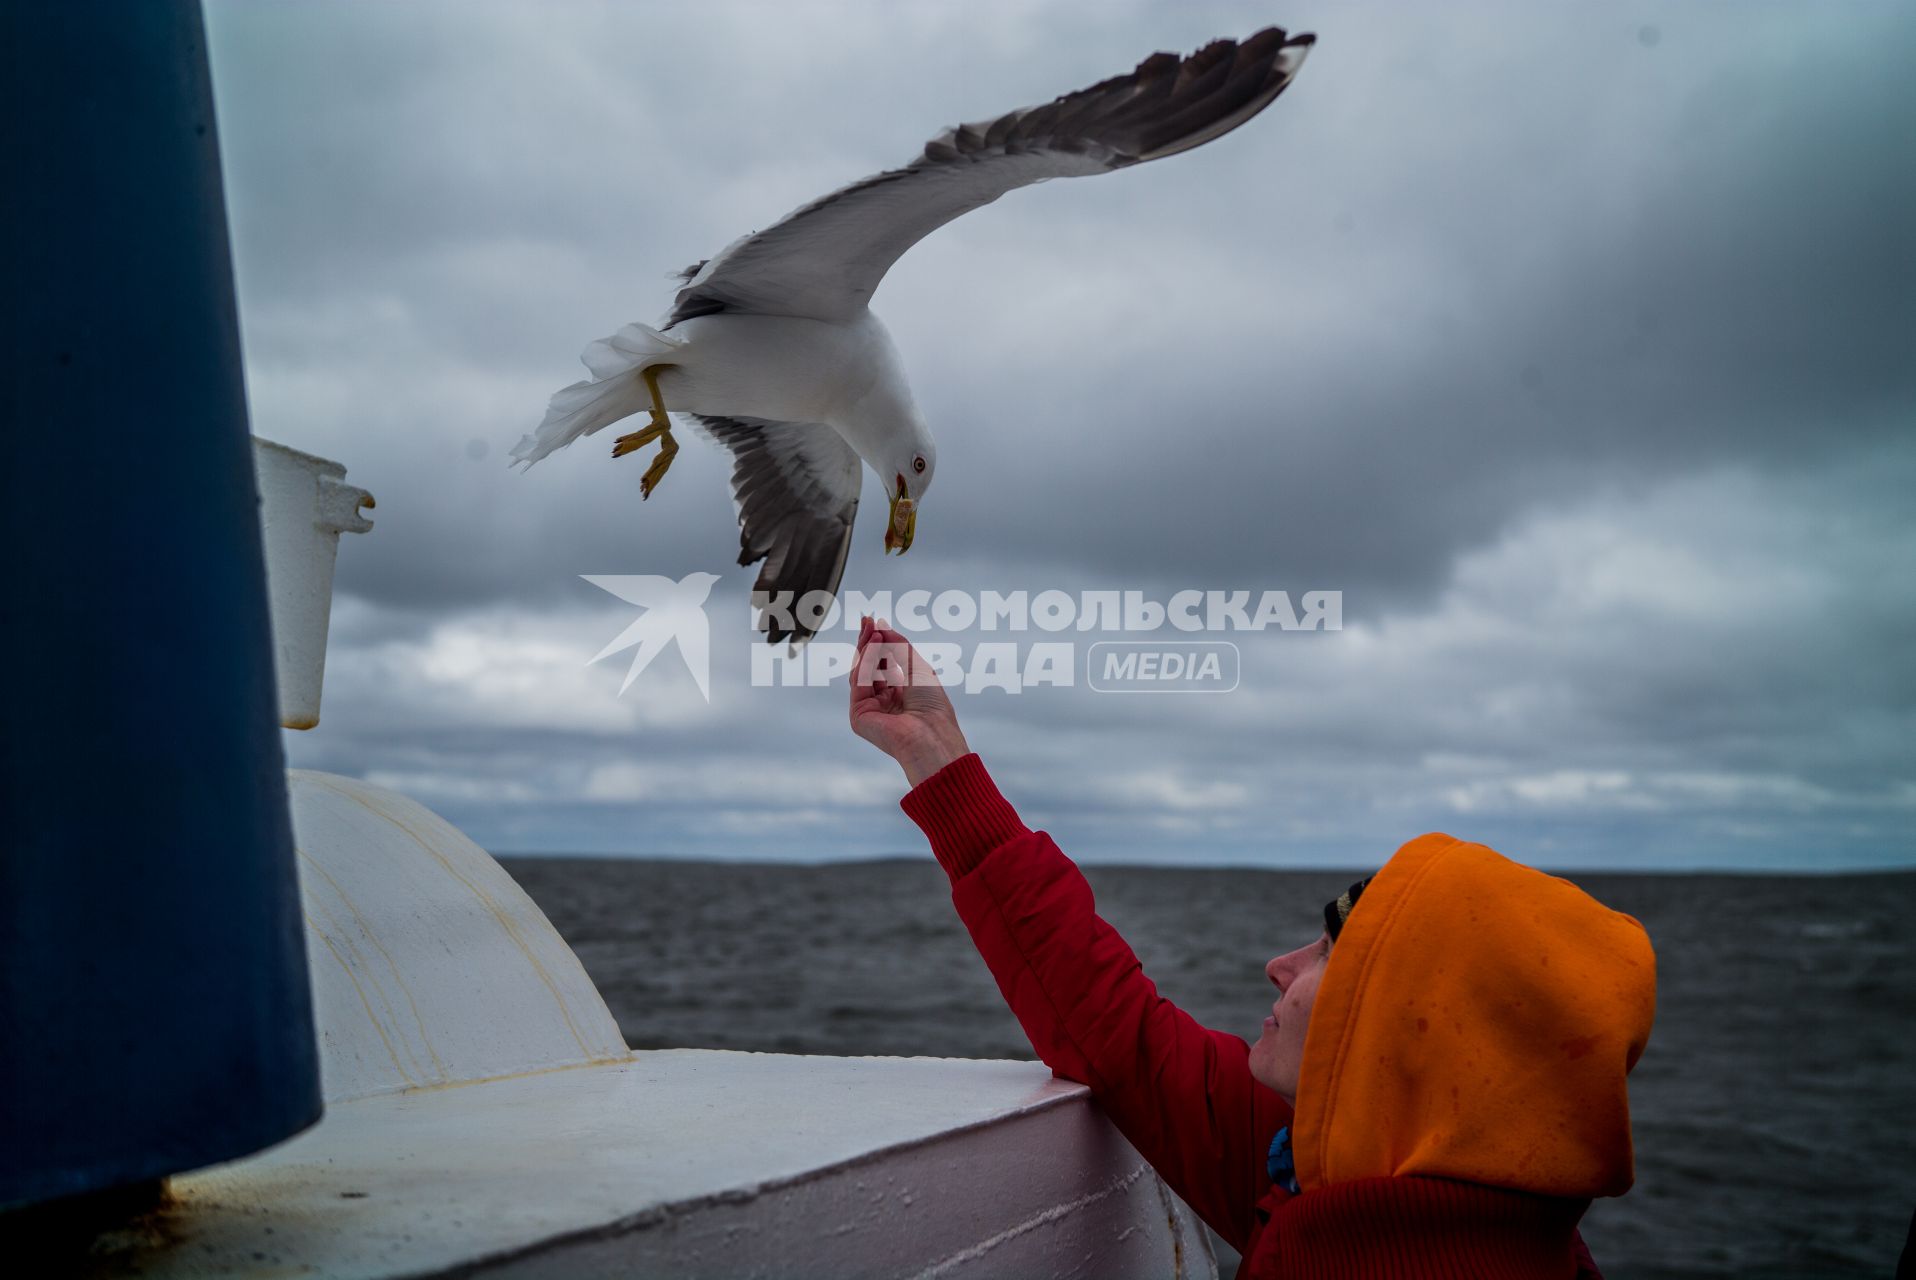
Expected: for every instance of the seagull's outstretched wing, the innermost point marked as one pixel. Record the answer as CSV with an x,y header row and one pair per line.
x,y
797,489
825,260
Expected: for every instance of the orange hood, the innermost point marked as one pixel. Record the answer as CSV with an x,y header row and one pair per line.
x,y
1475,1021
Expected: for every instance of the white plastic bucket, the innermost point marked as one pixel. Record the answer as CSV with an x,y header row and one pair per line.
x,y
305,504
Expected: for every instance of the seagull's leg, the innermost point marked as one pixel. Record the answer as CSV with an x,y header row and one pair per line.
x,y
668,449
660,430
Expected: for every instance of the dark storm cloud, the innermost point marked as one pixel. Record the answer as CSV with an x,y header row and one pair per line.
x,y
1581,286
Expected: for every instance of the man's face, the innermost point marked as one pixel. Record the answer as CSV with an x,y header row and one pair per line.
x,y
1279,1052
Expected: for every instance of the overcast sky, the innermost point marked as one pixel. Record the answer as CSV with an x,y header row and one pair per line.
x,y
1575,345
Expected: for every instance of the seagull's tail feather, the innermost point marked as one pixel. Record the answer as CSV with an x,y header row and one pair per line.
x,y
614,391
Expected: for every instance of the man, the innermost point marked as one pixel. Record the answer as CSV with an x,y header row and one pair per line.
x,y
1438,1092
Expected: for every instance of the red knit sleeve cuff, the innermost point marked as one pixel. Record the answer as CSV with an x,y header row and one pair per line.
x,y
961,813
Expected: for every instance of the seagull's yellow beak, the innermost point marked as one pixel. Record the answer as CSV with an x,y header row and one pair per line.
x,y
904,520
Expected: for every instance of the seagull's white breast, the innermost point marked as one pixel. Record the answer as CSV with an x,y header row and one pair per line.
x,y
781,367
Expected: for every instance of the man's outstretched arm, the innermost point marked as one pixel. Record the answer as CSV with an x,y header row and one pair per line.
x,y
1181,1094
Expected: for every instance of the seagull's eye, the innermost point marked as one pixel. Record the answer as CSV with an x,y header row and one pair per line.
x,y
918,465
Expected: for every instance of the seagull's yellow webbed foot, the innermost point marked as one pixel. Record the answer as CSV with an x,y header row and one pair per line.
x,y
660,430
639,439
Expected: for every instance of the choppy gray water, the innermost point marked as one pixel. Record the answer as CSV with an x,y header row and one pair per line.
x,y
1775,1111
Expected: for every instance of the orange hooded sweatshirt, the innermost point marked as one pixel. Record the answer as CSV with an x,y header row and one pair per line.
x,y
1475,1022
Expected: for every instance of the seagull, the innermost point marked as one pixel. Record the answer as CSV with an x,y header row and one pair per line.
x,y
773,350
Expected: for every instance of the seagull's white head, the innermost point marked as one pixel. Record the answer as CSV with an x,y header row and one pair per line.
x,y
888,432
907,471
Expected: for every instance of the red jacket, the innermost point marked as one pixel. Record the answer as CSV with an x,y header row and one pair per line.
x,y
1183,1095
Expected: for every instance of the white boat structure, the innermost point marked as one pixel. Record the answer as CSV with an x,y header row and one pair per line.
x,y
484,1116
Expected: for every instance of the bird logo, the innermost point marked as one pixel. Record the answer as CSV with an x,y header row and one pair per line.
x,y
673,611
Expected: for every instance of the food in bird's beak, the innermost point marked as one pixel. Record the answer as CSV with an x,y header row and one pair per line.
x,y
904,521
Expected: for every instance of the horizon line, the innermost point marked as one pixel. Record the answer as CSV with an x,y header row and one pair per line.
x,y
1093,860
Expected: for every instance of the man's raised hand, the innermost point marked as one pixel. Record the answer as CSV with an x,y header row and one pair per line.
x,y
898,705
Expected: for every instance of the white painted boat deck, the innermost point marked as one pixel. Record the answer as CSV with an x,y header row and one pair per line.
x,y
485,1118
696,1163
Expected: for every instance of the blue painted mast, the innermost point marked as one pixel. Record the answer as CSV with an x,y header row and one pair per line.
x,y
154,1008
